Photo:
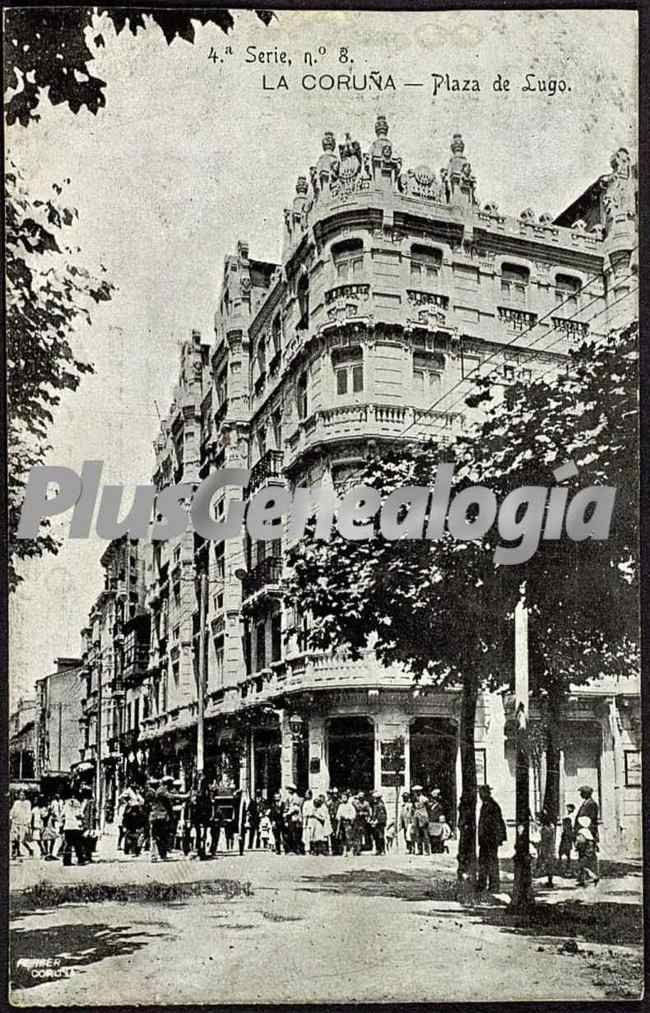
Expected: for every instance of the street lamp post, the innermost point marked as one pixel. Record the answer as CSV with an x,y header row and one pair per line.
x,y
296,725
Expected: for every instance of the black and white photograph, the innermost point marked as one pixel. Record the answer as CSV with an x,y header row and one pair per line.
x,y
322,390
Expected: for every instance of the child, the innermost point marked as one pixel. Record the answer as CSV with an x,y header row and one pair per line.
x,y
566,839
586,848
390,835
446,832
546,847
265,831
439,832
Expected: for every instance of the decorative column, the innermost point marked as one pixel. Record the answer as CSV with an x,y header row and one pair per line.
x,y
391,760
611,777
287,772
319,779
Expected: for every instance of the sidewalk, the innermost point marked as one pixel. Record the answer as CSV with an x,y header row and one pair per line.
x,y
112,868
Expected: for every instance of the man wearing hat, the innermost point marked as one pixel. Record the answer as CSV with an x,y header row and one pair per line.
x,y
378,823
333,800
492,834
589,809
293,821
160,817
89,820
420,820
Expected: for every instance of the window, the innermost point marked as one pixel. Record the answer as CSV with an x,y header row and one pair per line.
x,y
301,396
260,646
567,289
248,647
348,259
261,442
220,560
218,659
632,768
508,373
276,334
276,636
277,429
348,369
261,353
514,282
221,387
303,302
425,263
427,375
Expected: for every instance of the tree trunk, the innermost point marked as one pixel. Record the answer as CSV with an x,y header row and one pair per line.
x,y
553,719
467,806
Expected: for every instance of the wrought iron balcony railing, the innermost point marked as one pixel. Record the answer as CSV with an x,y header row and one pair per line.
x,y
267,573
268,466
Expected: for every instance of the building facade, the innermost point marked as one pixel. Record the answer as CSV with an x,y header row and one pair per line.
x,y
23,747
59,735
114,654
396,287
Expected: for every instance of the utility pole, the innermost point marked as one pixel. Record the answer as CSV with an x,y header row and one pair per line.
x,y
200,719
522,892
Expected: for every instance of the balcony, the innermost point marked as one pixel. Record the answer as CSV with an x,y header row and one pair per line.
x,y
136,664
516,320
572,328
267,574
370,421
421,300
269,466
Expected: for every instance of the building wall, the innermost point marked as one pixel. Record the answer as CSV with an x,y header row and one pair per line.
x,y
395,288
60,738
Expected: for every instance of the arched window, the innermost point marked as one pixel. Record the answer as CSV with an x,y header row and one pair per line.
x,y
514,283
567,289
425,262
301,396
348,259
303,302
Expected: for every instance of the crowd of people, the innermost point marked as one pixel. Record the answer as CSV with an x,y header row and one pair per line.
x,y
160,817
55,828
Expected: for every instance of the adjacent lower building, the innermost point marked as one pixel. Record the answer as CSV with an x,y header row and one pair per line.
x,y
59,714
23,745
396,287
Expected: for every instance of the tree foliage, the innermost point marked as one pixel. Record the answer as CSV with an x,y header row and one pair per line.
x,y
443,607
49,294
47,50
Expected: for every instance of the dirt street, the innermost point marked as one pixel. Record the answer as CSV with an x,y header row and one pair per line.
x,y
322,930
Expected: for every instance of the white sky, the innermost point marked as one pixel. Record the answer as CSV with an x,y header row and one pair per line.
x,y
189,156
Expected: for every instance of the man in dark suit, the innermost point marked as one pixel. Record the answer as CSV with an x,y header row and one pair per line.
x,y
492,834
589,808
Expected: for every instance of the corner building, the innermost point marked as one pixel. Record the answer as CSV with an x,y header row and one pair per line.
x,y
396,286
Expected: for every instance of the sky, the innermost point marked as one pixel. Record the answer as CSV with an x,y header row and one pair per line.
x,y
193,153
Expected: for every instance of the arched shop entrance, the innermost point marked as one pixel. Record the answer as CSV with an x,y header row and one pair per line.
x,y
266,752
351,753
434,746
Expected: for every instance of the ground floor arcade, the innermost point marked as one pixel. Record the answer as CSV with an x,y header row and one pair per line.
x,y
390,739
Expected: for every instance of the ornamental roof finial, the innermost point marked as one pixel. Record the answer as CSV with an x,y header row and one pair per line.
x,y
381,126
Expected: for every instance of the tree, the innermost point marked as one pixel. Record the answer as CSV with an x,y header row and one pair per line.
x,y
416,603
48,295
444,608
582,595
47,50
